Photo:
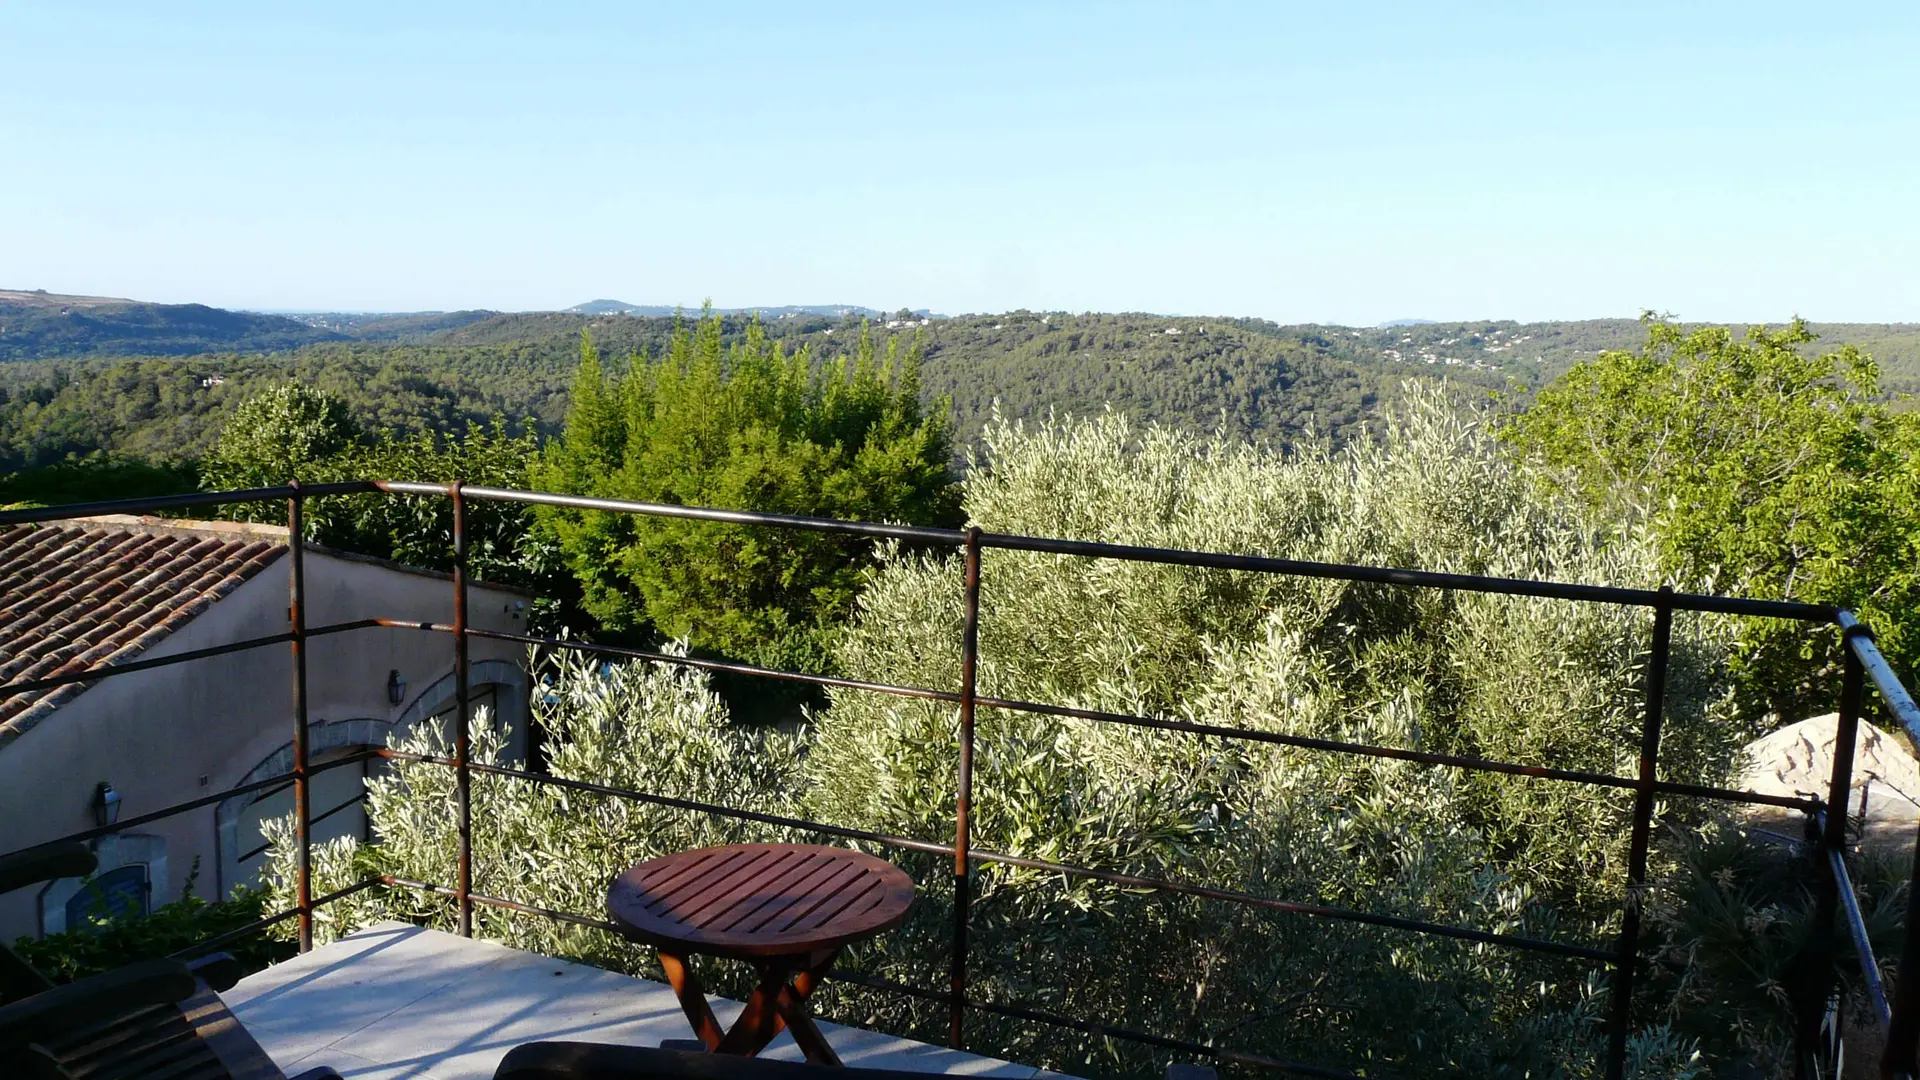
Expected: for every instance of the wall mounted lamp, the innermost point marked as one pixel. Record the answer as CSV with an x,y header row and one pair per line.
x,y
106,804
396,687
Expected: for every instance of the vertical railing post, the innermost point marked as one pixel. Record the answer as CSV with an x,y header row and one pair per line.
x,y
1816,991
462,723
1627,953
297,627
1901,1058
1902,1055
963,804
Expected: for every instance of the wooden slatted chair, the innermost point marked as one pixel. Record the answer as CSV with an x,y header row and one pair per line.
x,y
154,1020
600,1061
603,1061
18,978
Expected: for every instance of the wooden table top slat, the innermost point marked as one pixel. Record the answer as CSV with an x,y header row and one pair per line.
x,y
692,892
773,915
831,902
674,872
759,900
717,902
754,911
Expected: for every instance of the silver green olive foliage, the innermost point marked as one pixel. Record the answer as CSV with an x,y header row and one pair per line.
x,y
651,728
1521,680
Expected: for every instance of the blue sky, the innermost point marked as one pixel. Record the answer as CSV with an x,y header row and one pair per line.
x,y
1331,162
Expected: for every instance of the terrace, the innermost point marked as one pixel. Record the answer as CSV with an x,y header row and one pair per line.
x,y
402,1001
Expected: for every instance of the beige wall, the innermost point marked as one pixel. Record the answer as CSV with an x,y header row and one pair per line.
x,y
177,733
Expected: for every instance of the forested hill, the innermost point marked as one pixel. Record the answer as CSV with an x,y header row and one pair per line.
x,y
40,325
1263,384
436,371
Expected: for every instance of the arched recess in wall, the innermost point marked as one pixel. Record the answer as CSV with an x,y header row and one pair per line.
x,y
334,797
337,795
499,686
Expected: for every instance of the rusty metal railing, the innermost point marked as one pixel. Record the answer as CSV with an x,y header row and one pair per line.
x,y
1837,900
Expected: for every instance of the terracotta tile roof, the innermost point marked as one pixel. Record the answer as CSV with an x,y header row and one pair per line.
x,y
100,591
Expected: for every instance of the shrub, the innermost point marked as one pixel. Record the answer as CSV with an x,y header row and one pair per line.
x,y
1522,680
654,729
108,942
749,428
1757,465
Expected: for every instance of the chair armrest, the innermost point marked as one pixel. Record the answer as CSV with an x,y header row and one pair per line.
x,y
218,970
88,1002
602,1061
45,863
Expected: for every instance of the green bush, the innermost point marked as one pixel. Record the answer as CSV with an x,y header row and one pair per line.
x,y
108,942
652,728
293,432
1522,680
752,428
1761,469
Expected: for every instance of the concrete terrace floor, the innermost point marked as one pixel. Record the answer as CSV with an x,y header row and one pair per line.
x,y
397,1001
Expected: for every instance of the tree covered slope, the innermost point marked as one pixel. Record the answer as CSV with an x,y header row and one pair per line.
x,y
156,381
40,325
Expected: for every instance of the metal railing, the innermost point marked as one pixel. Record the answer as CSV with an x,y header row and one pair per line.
x,y
1836,898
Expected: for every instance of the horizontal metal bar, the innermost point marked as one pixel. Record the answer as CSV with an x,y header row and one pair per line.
x,y
131,666
707,665
1892,691
262,849
1551,590
195,804
1703,791
95,674
887,984
343,627
875,529
1862,945
1322,911
1192,727
358,756
503,903
179,502
1091,1028
681,804
1113,877
1783,609
258,925
1422,757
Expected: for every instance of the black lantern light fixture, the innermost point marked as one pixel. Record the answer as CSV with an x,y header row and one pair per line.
x,y
106,804
396,687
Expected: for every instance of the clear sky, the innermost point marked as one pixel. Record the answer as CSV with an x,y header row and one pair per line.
x,y
1328,161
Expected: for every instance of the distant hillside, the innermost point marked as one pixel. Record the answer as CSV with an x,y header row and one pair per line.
x,y
790,311
38,325
611,307
1263,385
181,368
390,326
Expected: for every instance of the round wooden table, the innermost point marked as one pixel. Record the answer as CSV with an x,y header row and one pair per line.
x,y
785,908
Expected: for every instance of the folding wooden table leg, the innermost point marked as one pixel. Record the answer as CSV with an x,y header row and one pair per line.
x,y
805,1034
693,998
760,1021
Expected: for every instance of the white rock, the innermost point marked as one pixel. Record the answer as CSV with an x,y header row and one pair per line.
x,y
1797,760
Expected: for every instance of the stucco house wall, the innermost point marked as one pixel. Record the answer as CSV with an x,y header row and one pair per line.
x,y
176,733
